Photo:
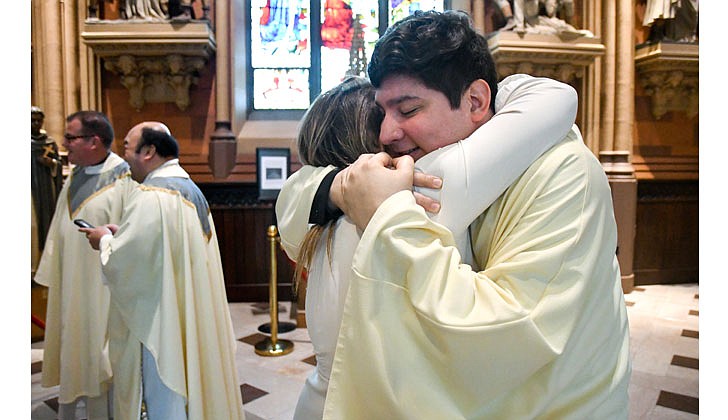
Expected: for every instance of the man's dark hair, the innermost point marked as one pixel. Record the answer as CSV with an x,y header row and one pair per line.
x,y
440,49
165,145
94,123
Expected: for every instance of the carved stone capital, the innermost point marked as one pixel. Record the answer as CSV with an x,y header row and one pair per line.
x,y
157,79
669,75
155,61
543,55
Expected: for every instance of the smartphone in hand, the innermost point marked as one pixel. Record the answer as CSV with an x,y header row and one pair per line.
x,y
82,223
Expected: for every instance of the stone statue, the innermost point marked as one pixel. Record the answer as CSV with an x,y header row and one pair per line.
x,y
182,11
142,9
540,16
46,174
161,10
671,20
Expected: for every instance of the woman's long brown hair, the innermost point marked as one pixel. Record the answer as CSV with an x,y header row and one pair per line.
x,y
340,125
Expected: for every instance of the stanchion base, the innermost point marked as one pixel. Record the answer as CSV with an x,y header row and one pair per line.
x,y
283,327
266,347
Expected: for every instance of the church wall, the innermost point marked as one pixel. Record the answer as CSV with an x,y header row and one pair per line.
x,y
665,157
191,127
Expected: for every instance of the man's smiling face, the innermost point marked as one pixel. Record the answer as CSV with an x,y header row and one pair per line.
x,y
418,119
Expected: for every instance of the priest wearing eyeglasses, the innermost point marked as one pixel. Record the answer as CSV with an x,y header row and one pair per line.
x,y
75,356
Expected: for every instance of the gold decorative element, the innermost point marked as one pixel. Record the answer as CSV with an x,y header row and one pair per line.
x,y
543,55
156,61
669,74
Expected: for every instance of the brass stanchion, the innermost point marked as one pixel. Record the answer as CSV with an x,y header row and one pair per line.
x,y
272,346
283,327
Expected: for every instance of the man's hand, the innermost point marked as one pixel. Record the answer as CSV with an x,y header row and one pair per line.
x,y
362,187
94,234
427,181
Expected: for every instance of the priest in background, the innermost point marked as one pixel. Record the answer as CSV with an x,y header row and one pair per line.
x,y
75,353
171,336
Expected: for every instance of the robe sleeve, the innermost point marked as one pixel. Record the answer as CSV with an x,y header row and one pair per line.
x,y
133,259
533,114
293,206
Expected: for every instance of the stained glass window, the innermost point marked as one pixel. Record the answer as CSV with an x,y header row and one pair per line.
x,y
300,48
280,53
399,9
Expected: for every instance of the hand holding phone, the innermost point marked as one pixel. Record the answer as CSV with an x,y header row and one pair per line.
x,y
82,223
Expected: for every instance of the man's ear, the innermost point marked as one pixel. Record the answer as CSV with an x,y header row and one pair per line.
x,y
97,143
478,95
149,151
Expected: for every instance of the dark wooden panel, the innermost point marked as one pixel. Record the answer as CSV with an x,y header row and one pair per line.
x,y
666,240
241,222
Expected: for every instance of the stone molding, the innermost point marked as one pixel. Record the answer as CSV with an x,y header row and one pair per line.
x,y
616,164
155,61
544,55
572,60
668,72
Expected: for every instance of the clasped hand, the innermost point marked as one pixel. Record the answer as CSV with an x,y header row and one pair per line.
x,y
363,186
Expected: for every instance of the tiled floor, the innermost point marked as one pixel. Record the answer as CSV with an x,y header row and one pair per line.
x,y
663,324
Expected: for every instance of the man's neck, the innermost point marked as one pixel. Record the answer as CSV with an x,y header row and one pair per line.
x,y
157,163
106,156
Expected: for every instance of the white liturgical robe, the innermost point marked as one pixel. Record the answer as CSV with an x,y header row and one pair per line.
x,y
75,354
540,332
164,271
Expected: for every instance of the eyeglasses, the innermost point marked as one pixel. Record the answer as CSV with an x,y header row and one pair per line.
x,y
72,138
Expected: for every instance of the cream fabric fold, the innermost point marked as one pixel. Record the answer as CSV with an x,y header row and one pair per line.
x,y
168,292
75,354
541,332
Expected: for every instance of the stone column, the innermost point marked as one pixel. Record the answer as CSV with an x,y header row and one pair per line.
x,y
72,15
609,36
624,109
478,14
617,120
55,39
622,181
591,130
89,68
48,58
223,144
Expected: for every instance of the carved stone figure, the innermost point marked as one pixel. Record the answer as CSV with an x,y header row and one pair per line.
x,y
182,11
671,20
152,10
142,9
526,16
46,174
563,9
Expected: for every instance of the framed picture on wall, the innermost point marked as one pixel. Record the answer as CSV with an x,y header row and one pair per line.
x,y
273,167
